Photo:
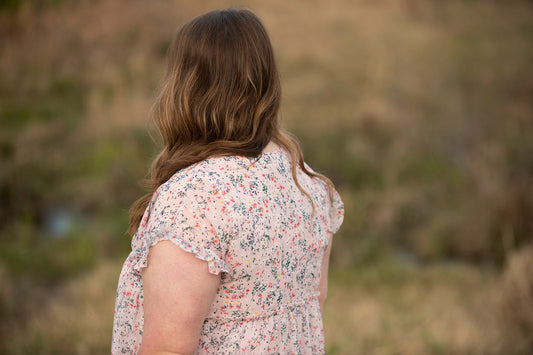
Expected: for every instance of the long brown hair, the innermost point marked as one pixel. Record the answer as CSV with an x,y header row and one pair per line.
x,y
220,96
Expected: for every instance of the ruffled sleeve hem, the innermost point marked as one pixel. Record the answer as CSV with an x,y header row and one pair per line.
x,y
336,213
215,264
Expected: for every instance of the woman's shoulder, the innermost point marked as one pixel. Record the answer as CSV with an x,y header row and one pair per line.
x,y
203,176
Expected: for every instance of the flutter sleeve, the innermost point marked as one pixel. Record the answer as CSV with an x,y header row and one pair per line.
x,y
336,213
180,217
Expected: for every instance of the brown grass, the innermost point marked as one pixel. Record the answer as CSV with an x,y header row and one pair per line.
x,y
390,308
76,318
516,303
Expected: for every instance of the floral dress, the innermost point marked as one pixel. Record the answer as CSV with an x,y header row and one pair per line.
x,y
248,220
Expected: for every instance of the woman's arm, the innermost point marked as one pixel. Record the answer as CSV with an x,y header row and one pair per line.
x,y
323,286
178,291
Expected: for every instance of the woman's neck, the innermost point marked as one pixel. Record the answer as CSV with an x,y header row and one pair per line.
x,y
271,146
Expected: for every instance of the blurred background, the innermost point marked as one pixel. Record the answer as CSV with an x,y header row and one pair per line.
x,y
421,112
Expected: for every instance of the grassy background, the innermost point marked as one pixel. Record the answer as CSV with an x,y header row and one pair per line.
x,y
421,112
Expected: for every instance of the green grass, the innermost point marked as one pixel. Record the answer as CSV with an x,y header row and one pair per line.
x,y
46,259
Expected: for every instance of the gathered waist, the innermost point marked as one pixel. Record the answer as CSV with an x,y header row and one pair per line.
x,y
281,309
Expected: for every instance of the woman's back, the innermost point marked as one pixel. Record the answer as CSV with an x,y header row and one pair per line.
x,y
247,218
244,251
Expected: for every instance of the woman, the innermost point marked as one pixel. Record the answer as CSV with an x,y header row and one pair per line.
x,y
230,252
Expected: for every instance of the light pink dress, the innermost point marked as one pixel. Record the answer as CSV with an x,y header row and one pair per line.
x,y
247,219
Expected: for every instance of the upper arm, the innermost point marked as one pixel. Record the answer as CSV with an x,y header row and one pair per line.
x,y
178,292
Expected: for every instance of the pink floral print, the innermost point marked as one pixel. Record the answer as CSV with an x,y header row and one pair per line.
x,y
247,219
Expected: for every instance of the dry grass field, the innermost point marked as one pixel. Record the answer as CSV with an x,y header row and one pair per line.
x,y
420,111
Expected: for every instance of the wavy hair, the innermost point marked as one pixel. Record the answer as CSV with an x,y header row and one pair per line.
x,y
220,97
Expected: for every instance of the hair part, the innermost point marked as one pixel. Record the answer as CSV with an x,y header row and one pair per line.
x,y
220,97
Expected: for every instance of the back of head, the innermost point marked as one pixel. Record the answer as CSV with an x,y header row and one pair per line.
x,y
221,96
222,89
